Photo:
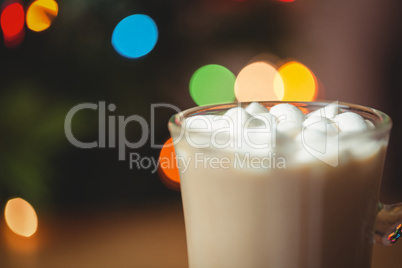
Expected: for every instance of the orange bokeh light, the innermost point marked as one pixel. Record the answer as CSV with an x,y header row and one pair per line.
x,y
41,14
300,83
168,169
255,82
21,217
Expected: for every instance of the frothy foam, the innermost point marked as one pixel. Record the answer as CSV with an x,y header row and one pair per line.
x,y
283,129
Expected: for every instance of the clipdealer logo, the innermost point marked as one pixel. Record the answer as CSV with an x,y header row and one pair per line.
x,y
109,124
322,145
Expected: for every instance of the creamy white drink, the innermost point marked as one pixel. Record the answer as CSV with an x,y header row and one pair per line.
x,y
281,187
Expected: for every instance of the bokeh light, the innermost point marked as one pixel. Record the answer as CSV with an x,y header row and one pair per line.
x,y
135,36
255,82
12,23
299,82
21,217
212,84
167,168
41,14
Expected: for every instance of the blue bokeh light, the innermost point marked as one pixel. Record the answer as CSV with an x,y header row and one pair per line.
x,y
135,36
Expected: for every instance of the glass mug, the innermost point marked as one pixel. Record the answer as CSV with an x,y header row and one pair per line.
x,y
245,209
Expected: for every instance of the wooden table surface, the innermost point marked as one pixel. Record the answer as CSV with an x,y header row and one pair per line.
x,y
143,236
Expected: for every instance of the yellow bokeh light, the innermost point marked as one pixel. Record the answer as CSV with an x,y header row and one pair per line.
x,y
21,217
255,82
299,82
41,14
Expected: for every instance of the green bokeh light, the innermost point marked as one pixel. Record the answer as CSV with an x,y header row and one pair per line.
x,y
212,84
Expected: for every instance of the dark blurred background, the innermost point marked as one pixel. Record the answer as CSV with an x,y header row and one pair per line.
x,y
354,48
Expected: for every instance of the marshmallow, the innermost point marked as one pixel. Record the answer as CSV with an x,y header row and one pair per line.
x,y
266,119
370,125
365,149
317,145
256,108
248,130
238,116
289,128
200,122
329,111
322,124
258,138
285,111
313,139
350,122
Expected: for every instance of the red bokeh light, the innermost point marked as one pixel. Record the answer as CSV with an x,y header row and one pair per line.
x,y
12,23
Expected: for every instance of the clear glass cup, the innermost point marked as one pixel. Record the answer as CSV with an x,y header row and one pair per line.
x,y
281,207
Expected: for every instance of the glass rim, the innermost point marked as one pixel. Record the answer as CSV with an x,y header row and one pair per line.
x,y
382,121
